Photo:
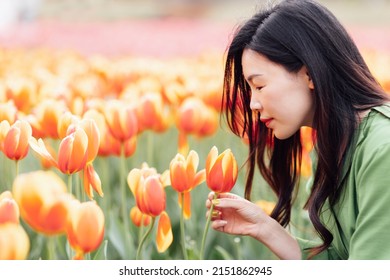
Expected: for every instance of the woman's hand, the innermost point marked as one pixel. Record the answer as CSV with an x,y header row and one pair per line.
x,y
235,215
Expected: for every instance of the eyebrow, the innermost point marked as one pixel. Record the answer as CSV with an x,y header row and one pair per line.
x,y
251,77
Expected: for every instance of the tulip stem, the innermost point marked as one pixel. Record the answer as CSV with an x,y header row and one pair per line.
x,y
51,254
144,238
70,187
105,183
150,148
78,187
16,168
206,229
183,241
123,198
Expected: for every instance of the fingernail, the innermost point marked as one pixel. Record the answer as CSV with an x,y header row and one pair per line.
x,y
215,201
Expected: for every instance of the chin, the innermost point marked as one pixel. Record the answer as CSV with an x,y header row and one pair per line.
x,y
282,136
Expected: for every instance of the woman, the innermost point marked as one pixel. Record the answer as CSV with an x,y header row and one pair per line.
x,y
290,66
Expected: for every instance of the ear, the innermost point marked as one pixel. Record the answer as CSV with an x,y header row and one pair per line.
x,y
309,80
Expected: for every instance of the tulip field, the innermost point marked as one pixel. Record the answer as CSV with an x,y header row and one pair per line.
x,y
112,158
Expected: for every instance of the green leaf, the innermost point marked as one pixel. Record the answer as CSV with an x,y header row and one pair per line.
x,y
101,254
116,236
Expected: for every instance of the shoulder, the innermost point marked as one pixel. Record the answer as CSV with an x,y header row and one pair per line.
x,y
374,131
372,150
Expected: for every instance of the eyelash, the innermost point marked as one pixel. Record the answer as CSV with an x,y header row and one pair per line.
x,y
258,88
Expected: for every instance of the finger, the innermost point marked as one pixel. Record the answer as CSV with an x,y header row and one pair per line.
x,y
208,203
229,195
229,203
218,225
215,214
211,195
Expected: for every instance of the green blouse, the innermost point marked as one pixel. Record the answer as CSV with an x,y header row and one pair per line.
x,y
360,221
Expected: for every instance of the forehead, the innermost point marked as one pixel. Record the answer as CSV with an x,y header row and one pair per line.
x,y
254,63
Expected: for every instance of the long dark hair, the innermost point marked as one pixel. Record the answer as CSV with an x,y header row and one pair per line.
x,y
295,34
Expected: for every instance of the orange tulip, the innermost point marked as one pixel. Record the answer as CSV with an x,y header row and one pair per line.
x,y
121,120
85,227
189,119
23,91
183,177
67,119
210,123
148,188
14,242
114,146
221,170
47,116
16,141
164,233
137,174
151,113
195,117
9,209
183,173
150,196
137,217
43,201
73,152
76,152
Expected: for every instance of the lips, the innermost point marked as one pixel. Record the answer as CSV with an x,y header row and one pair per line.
x,y
266,121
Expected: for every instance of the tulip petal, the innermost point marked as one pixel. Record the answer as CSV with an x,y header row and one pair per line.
x,y
11,142
39,147
64,153
133,179
92,179
91,129
211,158
179,179
200,177
79,150
164,233
187,204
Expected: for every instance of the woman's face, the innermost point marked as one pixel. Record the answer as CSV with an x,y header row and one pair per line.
x,y
283,99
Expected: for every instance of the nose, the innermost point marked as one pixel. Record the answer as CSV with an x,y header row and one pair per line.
x,y
255,105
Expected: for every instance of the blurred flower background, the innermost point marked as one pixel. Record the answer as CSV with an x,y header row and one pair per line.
x,y
108,112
